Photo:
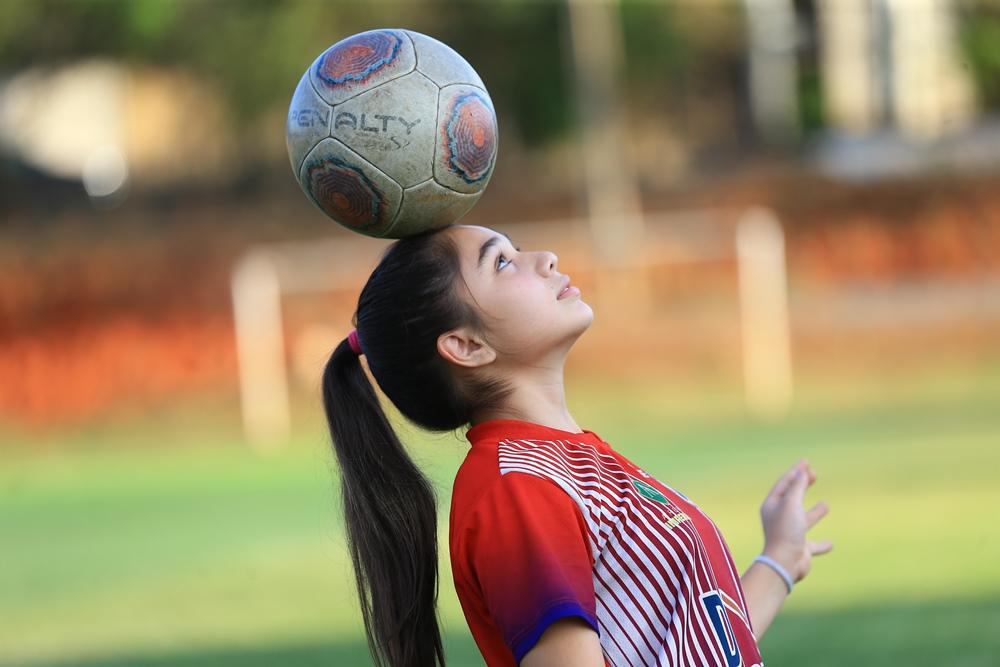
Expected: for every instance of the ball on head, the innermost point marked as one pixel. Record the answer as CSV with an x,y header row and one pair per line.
x,y
391,133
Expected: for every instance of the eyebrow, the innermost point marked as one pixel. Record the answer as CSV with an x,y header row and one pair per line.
x,y
492,241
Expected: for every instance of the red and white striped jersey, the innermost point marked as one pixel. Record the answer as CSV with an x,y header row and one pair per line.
x,y
547,523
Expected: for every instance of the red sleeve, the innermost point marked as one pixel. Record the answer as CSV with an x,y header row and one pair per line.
x,y
525,545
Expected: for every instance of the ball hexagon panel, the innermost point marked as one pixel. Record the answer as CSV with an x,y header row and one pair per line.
x,y
466,138
442,63
308,121
349,189
428,206
393,127
361,61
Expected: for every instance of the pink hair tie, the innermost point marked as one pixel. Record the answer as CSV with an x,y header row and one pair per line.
x,y
352,339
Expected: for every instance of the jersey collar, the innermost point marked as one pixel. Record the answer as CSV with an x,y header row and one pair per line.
x,y
493,430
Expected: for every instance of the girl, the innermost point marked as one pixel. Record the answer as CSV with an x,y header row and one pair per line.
x,y
563,551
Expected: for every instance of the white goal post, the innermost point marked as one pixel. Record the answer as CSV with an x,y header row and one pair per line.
x,y
267,274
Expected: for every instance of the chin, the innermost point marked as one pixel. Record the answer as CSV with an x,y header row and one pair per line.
x,y
585,321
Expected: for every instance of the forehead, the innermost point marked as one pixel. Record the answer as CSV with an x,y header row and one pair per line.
x,y
473,234
471,239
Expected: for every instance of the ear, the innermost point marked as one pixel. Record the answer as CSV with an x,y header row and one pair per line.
x,y
463,348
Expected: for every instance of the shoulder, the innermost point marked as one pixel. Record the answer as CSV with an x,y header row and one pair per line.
x,y
518,490
515,502
489,463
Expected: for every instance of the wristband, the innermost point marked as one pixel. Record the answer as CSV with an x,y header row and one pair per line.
x,y
782,572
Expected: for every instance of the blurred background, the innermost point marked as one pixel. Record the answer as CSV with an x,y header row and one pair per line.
x,y
785,214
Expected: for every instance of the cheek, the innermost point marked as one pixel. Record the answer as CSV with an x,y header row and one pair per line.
x,y
527,303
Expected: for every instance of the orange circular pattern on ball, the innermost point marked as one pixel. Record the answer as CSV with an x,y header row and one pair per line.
x,y
345,193
357,58
470,137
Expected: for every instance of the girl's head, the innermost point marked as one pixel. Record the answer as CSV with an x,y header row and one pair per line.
x,y
449,318
448,322
520,322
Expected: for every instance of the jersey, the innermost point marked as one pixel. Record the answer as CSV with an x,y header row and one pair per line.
x,y
546,524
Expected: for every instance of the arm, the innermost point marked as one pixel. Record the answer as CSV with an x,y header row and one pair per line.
x,y
785,525
568,641
765,591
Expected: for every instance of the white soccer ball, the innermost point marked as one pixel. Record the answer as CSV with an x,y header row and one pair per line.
x,y
391,133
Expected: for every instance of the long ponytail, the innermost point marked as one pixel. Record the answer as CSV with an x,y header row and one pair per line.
x,y
389,505
391,519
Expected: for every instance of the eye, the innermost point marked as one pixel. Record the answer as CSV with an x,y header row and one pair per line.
x,y
500,256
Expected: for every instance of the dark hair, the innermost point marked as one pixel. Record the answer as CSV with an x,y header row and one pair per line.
x,y
410,299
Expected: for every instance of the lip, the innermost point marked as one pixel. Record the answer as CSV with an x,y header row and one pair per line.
x,y
567,289
568,292
564,285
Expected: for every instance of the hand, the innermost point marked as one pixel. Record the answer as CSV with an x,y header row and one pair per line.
x,y
785,522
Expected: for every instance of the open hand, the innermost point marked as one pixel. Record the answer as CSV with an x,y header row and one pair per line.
x,y
786,522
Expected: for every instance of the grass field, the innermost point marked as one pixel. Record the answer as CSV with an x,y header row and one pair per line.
x,y
164,541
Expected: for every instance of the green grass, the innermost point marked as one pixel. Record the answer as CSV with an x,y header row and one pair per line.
x,y
157,542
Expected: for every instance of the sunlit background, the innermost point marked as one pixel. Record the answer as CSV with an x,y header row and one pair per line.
x,y
785,214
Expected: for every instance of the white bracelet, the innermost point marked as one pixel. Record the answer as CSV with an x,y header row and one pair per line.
x,y
782,572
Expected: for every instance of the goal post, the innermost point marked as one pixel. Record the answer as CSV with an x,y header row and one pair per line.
x,y
765,329
267,274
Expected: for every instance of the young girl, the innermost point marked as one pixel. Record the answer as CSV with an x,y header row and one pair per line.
x,y
563,551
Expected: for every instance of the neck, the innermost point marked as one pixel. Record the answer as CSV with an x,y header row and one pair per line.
x,y
539,397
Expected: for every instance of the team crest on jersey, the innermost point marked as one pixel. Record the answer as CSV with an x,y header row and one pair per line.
x,y
648,491
648,476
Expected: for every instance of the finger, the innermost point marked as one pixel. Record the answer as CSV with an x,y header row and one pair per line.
x,y
797,489
781,486
812,473
815,513
817,548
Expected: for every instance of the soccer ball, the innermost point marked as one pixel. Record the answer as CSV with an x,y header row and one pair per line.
x,y
392,133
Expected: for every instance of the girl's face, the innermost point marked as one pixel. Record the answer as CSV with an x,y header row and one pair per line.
x,y
516,291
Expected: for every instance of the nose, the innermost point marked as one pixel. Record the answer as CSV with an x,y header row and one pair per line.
x,y
549,261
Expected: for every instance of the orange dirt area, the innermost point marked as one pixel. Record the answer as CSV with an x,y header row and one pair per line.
x,y
74,373
88,326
